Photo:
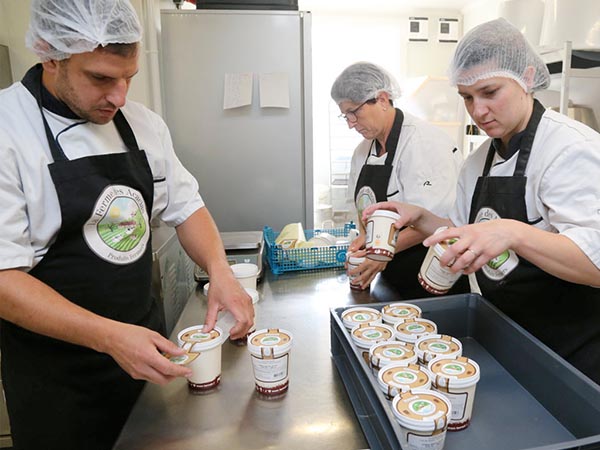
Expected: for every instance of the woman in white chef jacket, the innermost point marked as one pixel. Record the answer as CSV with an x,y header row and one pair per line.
x,y
527,215
401,158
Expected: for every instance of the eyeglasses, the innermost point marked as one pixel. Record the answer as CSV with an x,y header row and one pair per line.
x,y
350,116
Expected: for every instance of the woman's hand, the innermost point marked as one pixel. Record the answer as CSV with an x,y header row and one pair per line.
x,y
410,216
357,246
367,271
476,244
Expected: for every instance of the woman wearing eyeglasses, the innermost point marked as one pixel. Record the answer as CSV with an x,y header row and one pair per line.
x,y
401,158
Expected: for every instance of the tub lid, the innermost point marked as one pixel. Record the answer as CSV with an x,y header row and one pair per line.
x,y
362,314
413,328
197,340
397,311
456,372
365,335
392,352
403,377
385,213
422,410
182,360
437,345
270,342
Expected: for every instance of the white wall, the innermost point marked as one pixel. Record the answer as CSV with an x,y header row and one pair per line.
x,y
479,11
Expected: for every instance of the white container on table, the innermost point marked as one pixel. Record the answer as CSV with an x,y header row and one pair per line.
x,y
270,355
381,235
206,367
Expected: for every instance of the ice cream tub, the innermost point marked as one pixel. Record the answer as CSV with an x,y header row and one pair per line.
x,y
391,352
396,378
270,355
354,262
457,379
365,335
434,277
395,312
423,417
206,367
409,330
381,235
431,346
359,315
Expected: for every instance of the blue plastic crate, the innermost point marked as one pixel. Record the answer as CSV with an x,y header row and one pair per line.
x,y
311,258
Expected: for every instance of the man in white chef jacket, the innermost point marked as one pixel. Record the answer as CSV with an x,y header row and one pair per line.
x,y
83,174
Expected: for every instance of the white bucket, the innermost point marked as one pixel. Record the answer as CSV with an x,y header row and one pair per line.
x,y
423,417
246,274
270,354
457,379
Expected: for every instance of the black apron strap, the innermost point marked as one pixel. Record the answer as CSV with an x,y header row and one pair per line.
x,y
378,176
125,131
526,143
527,140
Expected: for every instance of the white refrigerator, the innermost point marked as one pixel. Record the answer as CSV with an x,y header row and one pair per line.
x,y
253,164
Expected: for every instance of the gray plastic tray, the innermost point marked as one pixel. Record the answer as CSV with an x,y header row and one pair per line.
x,y
527,398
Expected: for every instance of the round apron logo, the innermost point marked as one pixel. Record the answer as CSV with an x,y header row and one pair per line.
x,y
503,264
118,230
365,197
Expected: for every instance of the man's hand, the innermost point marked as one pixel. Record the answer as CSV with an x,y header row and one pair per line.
x,y
139,351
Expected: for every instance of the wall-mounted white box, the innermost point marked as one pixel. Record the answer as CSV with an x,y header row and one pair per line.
x,y
418,29
448,29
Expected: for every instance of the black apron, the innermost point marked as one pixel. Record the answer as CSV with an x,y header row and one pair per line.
x,y
565,316
371,187
60,395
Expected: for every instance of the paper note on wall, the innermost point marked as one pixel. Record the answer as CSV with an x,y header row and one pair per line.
x,y
274,90
237,90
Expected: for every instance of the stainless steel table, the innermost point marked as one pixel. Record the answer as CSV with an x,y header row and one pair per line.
x,y
315,412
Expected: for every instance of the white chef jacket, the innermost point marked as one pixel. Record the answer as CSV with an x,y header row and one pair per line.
x,y
563,181
426,166
30,213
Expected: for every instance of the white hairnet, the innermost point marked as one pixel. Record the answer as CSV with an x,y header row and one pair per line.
x,y
362,81
497,49
61,28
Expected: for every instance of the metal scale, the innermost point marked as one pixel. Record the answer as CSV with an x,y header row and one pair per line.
x,y
240,247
